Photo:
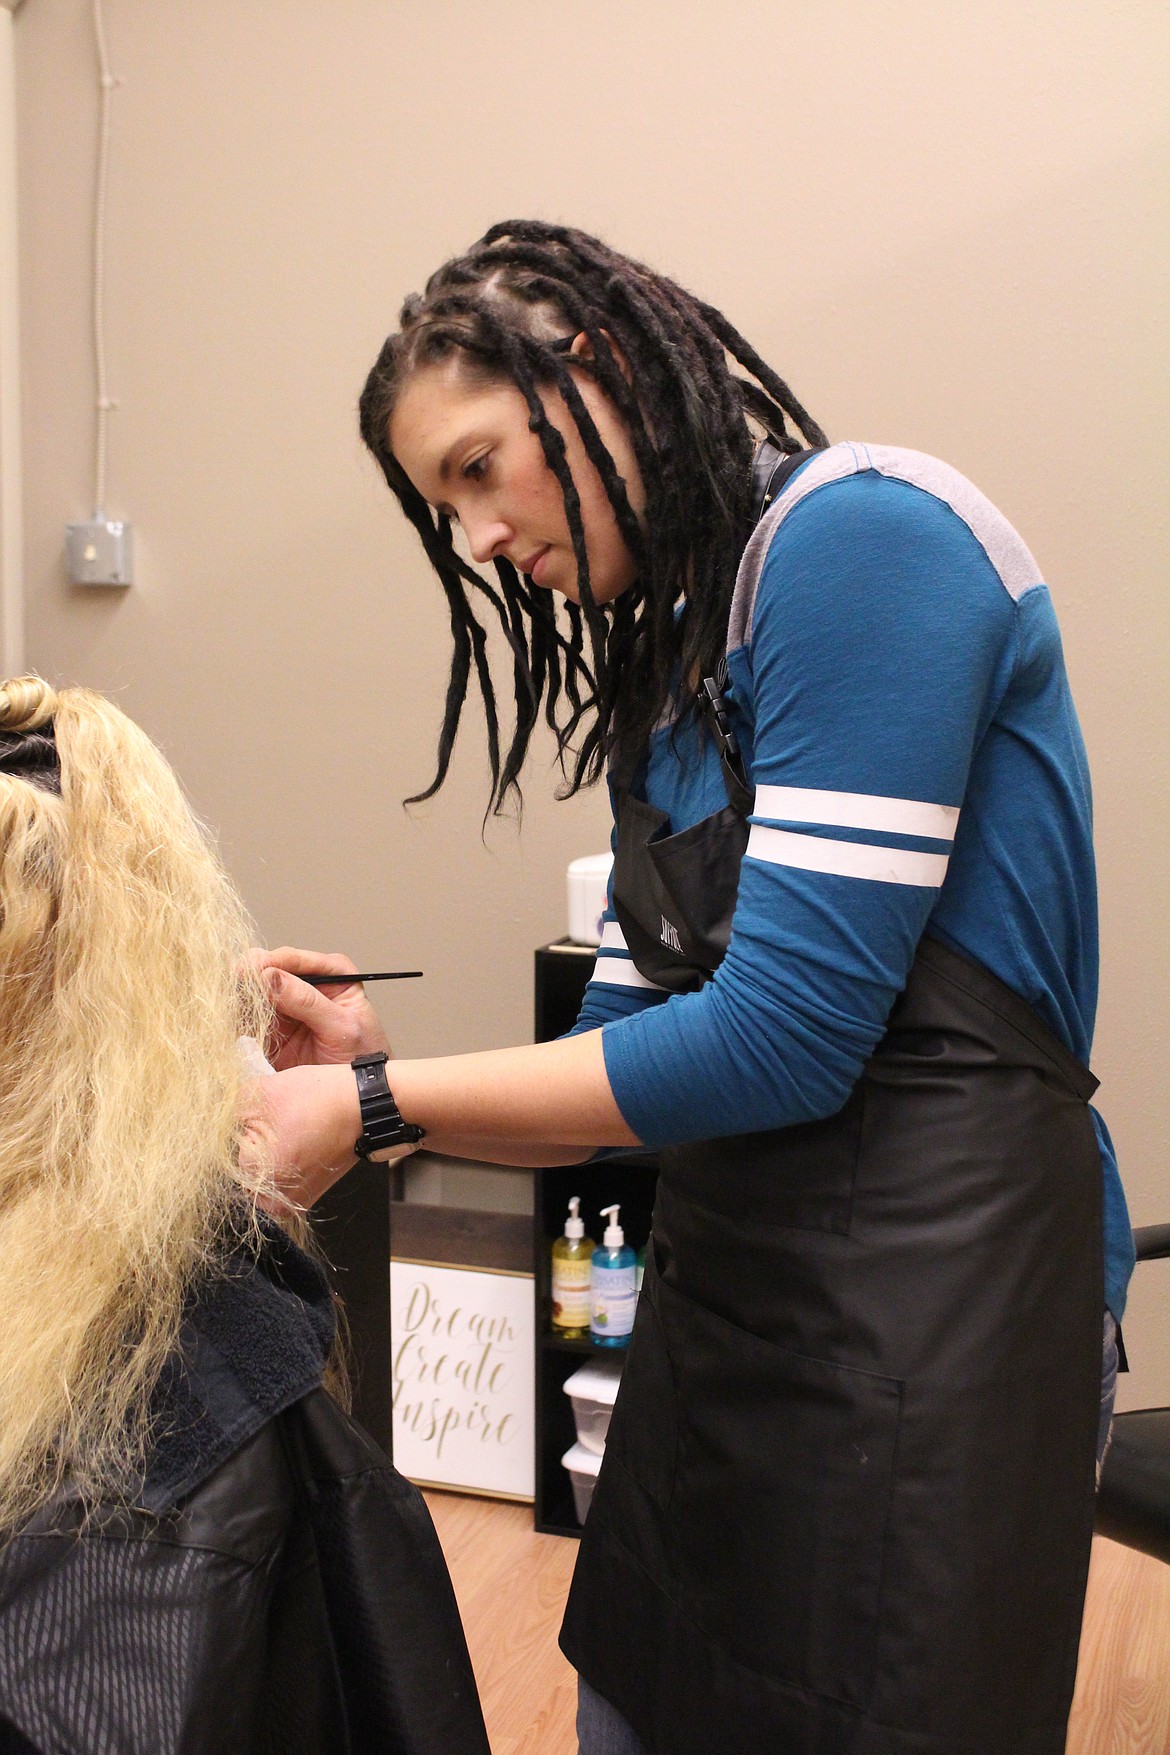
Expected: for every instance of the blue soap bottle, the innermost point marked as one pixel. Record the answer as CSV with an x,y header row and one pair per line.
x,y
612,1292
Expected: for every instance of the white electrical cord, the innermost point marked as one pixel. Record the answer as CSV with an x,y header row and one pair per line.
x,y
103,403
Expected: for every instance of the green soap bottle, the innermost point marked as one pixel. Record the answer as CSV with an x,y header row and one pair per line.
x,y
572,1257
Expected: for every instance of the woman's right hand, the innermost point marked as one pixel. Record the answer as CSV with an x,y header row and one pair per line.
x,y
317,1026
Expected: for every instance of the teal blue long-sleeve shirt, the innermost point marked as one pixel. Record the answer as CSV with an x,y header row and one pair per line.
x,y
899,692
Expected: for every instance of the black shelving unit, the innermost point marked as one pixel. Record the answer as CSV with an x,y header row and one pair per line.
x,y
562,971
630,1181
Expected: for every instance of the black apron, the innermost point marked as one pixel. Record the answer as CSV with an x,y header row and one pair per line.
x,y
847,1499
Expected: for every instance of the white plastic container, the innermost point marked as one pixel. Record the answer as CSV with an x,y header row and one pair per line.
x,y
588,884
592,1391
583,1466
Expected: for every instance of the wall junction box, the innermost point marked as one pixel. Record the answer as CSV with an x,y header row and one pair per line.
x,y
100,553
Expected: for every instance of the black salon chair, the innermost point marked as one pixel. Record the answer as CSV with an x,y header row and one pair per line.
x,y
1133,1502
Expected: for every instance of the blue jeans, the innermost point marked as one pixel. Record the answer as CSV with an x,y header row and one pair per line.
x,y
601,1729
1108,1392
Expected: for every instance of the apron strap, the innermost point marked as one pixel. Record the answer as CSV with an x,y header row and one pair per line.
x,y
963,972
771,468
740,792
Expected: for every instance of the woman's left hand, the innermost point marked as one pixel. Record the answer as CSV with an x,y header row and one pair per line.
x,y
298,1132
317,1026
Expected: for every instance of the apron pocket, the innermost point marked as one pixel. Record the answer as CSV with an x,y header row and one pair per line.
x,y
782,1492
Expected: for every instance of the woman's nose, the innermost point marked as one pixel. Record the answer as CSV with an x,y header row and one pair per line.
x,y
487,537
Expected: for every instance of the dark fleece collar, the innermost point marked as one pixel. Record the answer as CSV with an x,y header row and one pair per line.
x,y
255,1340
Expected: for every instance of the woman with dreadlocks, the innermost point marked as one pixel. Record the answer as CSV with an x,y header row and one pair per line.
x,y
846,989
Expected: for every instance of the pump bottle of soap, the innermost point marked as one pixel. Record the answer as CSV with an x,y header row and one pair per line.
x,y
571,1263
613,1294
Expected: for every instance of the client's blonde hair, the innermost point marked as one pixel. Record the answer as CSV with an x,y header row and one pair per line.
x,y
123,989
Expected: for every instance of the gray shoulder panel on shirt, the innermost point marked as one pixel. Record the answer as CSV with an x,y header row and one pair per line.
x,y
1002,544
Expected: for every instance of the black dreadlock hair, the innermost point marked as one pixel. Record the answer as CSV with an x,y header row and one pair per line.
x,y
509,309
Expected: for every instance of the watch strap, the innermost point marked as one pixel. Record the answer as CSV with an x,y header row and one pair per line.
x,y
382,1125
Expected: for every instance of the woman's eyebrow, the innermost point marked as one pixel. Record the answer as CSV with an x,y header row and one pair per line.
x,y
456,445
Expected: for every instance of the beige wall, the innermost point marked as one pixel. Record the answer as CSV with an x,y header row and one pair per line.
x,y
945,223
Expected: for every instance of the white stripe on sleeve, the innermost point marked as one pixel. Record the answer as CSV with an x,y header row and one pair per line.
x,y
859,859
622,972
857,810
613,938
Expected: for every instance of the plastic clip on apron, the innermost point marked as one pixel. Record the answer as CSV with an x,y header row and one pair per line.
x,y
847,1498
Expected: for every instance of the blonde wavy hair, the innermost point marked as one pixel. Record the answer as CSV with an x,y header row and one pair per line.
x,y
124,986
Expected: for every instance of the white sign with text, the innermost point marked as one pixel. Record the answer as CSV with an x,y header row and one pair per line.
x,y
462,1343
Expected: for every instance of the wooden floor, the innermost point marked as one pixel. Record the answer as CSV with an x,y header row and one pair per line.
x,y
511,1586
1122,1700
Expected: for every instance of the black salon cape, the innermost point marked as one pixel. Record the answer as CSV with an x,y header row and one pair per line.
x,y
276,1587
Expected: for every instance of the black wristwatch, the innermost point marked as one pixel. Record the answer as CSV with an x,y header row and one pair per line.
x,y
382,1125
